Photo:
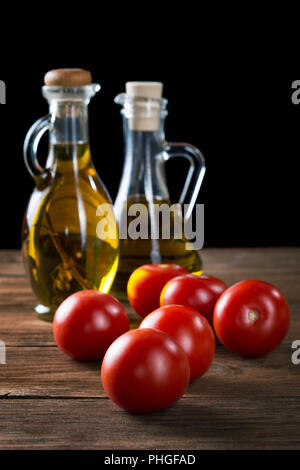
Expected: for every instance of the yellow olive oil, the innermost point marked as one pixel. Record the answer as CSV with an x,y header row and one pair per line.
x,y
61,249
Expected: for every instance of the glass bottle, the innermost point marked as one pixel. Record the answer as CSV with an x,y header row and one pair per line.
x,y
62,248
144,181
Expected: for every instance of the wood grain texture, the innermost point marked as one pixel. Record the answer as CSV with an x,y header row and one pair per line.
x,y
47,372
192,423
48,401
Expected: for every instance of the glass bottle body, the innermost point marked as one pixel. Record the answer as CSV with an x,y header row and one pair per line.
x,y
143,183
62,251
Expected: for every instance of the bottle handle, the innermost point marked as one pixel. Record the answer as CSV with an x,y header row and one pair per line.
x,y
195,174
30,147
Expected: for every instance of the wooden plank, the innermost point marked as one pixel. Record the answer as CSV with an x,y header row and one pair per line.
x,y
215,256
189,424
47,371
23,328
49,401
20,326
280,266
280,259
11,263
275,259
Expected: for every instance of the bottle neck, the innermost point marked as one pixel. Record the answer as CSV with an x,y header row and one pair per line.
x,y
69,150
140,146
144,173
69,122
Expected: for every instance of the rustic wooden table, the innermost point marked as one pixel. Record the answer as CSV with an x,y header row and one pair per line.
x,y
48,401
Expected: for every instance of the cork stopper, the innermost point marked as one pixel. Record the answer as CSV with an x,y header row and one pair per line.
x,y
146,117
145,89
68,77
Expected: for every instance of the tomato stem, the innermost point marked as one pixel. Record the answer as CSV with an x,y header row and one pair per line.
x,y
253,315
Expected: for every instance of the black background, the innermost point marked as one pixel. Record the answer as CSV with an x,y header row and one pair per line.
x,y
244,123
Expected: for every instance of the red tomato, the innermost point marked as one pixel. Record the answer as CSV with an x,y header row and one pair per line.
x,y
251,318
145,370
86,324
145,285
198,292
191,330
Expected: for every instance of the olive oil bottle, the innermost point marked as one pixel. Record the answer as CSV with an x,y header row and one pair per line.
x,y
63,251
